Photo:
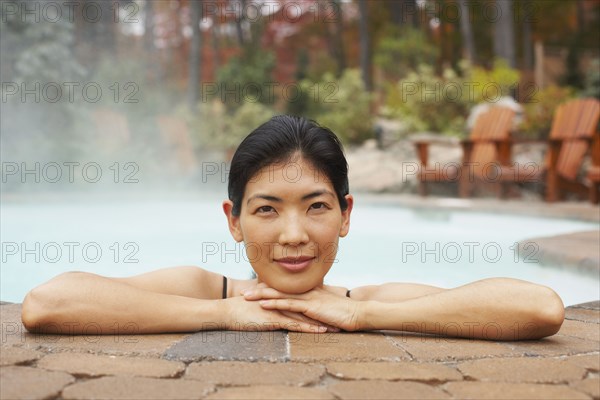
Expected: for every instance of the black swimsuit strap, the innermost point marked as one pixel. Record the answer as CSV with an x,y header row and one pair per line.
x,y
224,287
347,293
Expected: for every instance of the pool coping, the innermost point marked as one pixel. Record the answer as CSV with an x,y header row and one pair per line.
x,y
580,211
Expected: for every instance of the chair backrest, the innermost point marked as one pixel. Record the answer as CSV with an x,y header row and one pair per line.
x,y
494,124
575,122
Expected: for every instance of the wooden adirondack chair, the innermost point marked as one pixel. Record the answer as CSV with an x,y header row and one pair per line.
x,y
593,174
483,153
573,127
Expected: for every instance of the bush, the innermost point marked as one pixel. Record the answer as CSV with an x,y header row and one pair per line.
x,y
214,128
342,106
592,80
246,75
540,110
493,84
402,51
425,101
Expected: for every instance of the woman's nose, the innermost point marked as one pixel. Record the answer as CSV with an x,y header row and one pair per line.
x,y
293,232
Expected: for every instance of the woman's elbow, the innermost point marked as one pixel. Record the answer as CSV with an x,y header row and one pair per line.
x,y
42,302
32,310
550,312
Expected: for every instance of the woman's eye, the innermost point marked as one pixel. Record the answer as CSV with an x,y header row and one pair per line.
x,y
318,206
265,209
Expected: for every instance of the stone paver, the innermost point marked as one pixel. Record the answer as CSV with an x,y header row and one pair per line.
x,y
231,345
413,371
14,333
590,386
591,305
556,345
582,330
127,388
503,391
583,314
382,390
430,348
578,250
343,347
535,370
591,361
31,383
17,356
97,365
280,392
259,373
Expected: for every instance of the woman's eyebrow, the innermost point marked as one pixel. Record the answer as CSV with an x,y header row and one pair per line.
x,y
265,197
317,194
275,199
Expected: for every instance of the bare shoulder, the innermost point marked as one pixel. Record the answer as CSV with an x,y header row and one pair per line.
x,y
188,281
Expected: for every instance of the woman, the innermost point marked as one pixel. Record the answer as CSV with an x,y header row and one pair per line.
x,y
289,203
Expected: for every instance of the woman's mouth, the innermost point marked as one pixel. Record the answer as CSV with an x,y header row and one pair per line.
x,y
295,264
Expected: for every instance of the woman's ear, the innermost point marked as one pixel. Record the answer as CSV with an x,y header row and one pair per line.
x,y
346,216
232,221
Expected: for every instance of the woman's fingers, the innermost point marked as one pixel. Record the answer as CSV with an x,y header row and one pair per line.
x,y
262,293
284,305
304,318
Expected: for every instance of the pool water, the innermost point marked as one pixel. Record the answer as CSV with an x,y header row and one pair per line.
x,y
385,244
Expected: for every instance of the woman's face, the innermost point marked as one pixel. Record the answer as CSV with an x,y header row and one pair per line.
x,y
290,223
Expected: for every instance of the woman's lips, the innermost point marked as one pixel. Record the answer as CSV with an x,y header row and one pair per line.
x,y
294,264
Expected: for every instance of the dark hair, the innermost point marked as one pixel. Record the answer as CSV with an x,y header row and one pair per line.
x,y
276,141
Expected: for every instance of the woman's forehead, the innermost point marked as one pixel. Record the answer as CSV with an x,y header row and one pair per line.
x,y
295,175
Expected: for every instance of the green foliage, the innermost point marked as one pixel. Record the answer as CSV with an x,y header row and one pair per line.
x,y
400,51
425,101
342,105
35,54
213,127
492,84
540,110
592,80
247,75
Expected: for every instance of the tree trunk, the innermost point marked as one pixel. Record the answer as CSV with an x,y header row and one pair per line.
x,y
154,64
215,46
195,54
504,37
365,45
338,39
238,22
527,38
466,31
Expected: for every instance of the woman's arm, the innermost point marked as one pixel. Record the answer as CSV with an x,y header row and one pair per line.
x,y
393,292
494,309
81,302
85,303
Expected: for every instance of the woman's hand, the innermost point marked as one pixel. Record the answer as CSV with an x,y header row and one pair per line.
x,y
246,315
317,304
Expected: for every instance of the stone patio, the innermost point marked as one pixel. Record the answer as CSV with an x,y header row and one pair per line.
x,y
282,365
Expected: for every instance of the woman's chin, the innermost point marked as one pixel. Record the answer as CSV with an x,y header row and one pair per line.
x,y
294,287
